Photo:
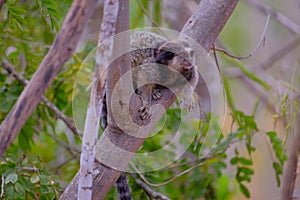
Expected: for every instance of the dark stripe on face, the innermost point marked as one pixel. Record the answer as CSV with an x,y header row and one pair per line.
x,y
164,56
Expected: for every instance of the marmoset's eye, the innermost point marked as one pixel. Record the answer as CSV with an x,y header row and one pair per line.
x,y
191,53
164,56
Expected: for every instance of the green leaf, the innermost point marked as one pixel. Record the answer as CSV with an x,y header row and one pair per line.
x,y
249,74
24,140
2,78
271,134
11,178
34,178
20,189
18,11
251,123
245,161
223,190
246,170
245,191
234,160
49,3
278,170
25,183
44,180
9,191
13,54
44,189
243,178
11,1
280,154
228,93
53,12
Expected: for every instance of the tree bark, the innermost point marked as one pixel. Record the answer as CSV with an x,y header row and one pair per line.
x,y
1,3
106,176
59,53
204,26
95,106
290,172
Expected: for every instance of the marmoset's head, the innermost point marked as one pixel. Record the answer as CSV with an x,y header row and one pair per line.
x,y
177,55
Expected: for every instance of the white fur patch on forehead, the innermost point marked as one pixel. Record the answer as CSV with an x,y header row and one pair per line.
x,y
188,49
176,46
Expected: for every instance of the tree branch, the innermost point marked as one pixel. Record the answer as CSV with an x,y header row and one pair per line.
x,y
148,190
206,23
259,44
1,3
69,122
105,178
176,13
95,107
290,173
2,186
284,20
60,52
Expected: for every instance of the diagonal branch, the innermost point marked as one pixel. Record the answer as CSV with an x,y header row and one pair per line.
x,y
207,22
59,53
69,122
284,20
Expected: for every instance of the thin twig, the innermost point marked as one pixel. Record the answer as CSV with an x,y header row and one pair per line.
x,y
57,168
69,148
29,169
258,69
150,192
28,42
284,20
10,69
147,13
259,92
2,186
269,62
202,159
69,122
149,23
216,58
279,54
259,44
168,181
205,158
150,18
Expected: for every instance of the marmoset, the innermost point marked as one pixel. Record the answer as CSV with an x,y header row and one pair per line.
x,y
156,62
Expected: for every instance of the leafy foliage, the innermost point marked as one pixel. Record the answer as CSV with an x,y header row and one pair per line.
x,y
248,127
244,172
279,150
27,28
25,178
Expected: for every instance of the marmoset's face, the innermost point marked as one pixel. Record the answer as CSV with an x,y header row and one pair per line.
x,y
176,55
